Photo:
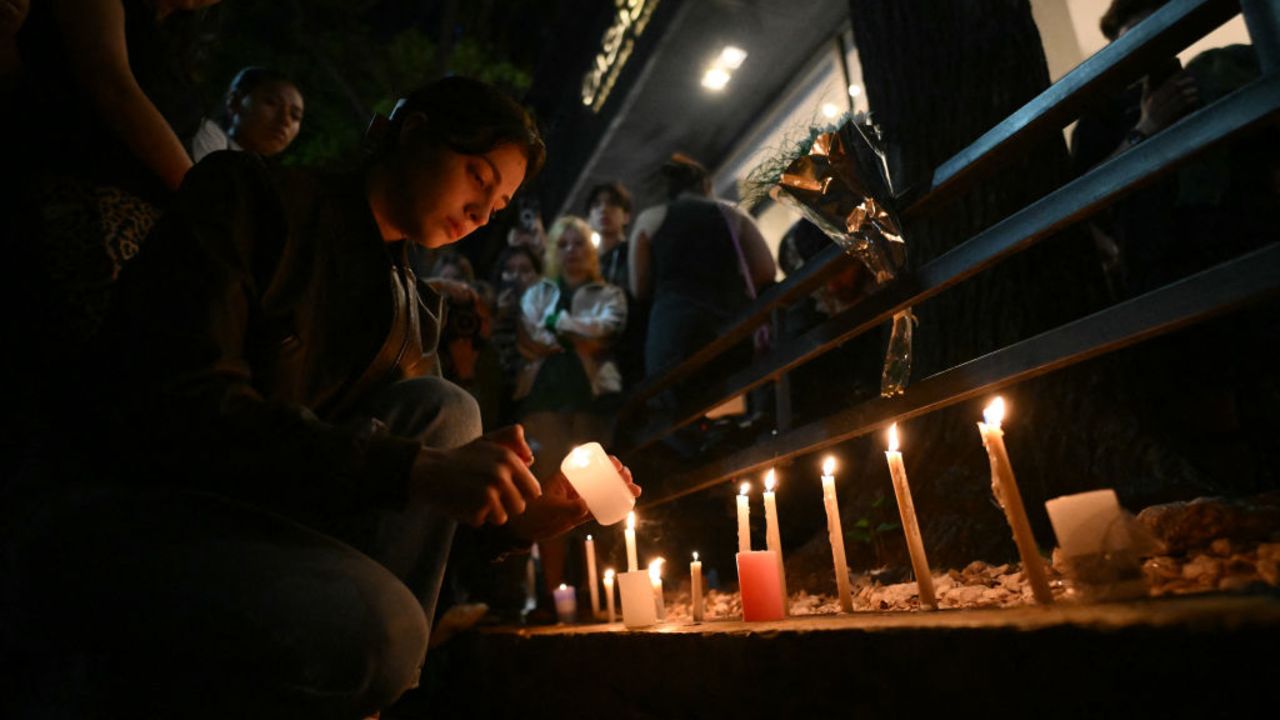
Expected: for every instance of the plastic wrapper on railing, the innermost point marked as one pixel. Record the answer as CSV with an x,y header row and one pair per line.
x,y
840,182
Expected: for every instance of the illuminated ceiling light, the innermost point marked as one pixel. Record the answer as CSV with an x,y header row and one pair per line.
x,y
715,79
830,110
731,57
855,90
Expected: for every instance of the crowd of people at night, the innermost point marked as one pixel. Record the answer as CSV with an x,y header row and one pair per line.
x,y
252,401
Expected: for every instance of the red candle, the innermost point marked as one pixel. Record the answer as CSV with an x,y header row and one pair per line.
x,y
760,585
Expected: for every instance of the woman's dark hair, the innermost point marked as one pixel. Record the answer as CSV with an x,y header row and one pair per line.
x,y
684,174
1122,12
616,193
472,118
253,77
507,253
249,79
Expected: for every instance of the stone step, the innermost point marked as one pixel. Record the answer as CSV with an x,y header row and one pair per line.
x,y
1177,656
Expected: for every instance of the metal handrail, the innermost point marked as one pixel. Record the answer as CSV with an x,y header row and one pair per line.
x,y
1101,186
1246,279
1167,30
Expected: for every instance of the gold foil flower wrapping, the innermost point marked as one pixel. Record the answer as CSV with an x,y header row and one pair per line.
x,y
842,185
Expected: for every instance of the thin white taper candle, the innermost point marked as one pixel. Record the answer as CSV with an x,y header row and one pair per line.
x,y
1005,488
835,534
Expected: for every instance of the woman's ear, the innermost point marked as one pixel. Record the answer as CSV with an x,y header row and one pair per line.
x,y
415,122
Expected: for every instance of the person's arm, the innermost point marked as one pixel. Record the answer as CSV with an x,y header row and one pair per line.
x,y
535,338
639,257
94,35
756,251
13,13
210,138
486,480
559,508
184,309
1161,107
184,335
604,318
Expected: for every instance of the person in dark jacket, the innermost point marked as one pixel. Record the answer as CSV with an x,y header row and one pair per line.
x,y
608,209
262,526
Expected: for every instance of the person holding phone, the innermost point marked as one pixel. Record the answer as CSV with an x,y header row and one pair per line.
x,y
1160,98
1157,100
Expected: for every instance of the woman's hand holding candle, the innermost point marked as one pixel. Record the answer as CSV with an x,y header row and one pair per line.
x,y
599,482
559,509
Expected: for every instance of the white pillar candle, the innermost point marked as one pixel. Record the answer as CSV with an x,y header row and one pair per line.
x,y
590,471
608,595
638,608
1005,488
632,563
695,587
910,526
744,518
566,597
773,538
1089,523
835,534
592,577
655,579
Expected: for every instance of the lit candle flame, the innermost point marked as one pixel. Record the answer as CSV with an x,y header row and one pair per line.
x,y
563,586
631,520
608,575
695,556
655,570
770,480
744,489
580,456
994,413
828,465
588,538
893,437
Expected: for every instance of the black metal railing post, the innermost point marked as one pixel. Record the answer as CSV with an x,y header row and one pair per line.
x,y
1262,17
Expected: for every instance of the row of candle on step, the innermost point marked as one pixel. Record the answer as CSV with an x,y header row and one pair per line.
x,y
758,582
762,576
642,601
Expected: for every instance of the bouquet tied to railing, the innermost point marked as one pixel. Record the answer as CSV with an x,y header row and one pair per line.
x,y
838,179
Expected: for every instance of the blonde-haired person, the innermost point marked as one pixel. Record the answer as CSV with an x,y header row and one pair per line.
x,y
569,388
586,263
571,307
